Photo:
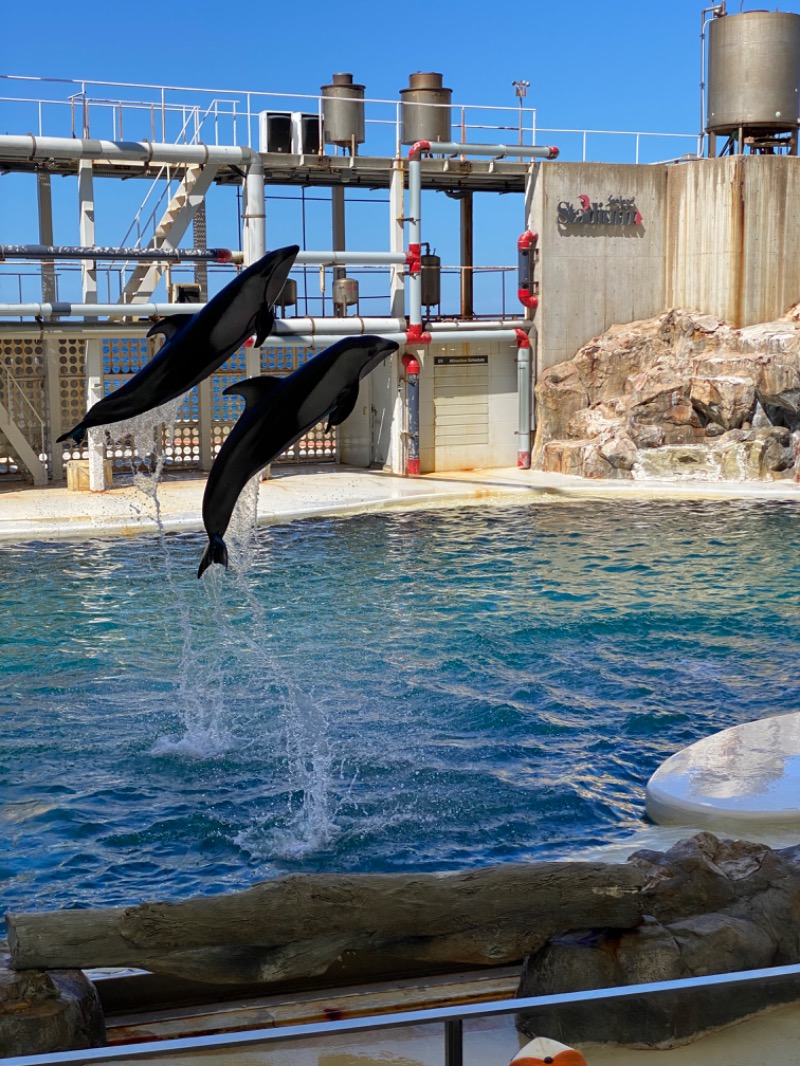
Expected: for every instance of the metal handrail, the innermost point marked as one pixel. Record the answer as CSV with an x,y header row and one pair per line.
x,y
451,1017
19,394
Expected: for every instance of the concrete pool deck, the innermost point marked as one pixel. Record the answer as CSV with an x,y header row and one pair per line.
x,y
56,512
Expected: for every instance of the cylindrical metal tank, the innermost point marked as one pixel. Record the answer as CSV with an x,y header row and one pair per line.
x,y
425,109
343,111
288,295
345,293
753,72
431,280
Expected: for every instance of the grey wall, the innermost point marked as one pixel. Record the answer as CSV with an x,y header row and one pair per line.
x,y
717,235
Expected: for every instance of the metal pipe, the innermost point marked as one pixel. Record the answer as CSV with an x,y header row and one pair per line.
x,y
412,369
145,152
717,11
69,251
333,257
219,255
523,399
496,151
415,245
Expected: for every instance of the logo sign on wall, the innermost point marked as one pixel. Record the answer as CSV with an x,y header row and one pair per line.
x,y
616,211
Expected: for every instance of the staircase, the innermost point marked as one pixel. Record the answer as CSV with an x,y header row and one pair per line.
x,y
168,233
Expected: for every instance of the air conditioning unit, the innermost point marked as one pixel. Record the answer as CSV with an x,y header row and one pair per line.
x,y
292,132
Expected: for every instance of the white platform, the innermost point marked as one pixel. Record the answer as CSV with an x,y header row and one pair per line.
x,y
748,775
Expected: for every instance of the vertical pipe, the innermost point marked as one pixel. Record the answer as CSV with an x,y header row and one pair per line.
x,y
415,239
397,304
94,362
524,400
467,275
254,239
411,364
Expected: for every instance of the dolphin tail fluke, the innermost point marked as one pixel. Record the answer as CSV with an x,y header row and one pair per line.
x,y
215,552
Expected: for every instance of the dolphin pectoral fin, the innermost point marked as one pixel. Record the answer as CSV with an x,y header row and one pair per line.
x,y
253,389
77,434
281,262
216,552
265,320
345,402
169,326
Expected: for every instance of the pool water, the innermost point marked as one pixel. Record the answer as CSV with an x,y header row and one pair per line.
x,y
432,690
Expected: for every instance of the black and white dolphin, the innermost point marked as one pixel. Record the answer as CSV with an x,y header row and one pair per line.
x,y
197,345
278,412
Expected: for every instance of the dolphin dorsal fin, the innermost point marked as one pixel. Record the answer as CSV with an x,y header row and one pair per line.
x,y
169,326
254,389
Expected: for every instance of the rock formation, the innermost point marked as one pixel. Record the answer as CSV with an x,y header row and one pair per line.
x,y
682,394
709,906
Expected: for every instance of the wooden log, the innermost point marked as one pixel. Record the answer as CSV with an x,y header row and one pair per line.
x,y
519,904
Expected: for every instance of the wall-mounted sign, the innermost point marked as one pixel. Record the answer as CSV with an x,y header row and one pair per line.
x,y
460,360
616,211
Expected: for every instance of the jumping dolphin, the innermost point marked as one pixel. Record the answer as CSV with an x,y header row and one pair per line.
x,y
196,345
278,411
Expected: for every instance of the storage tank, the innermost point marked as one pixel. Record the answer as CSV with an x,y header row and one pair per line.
x,y
343,112
425,109
754,73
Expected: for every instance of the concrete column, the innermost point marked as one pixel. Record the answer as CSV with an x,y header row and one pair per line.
x,y
94,360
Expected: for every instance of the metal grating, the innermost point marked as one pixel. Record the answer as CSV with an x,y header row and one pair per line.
x,y
23,386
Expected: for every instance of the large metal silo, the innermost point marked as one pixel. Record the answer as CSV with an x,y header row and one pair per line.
x,y
754,79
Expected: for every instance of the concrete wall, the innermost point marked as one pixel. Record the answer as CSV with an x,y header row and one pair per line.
x,y
716,235
592,276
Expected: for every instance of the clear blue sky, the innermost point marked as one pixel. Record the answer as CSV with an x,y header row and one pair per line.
x,y
620,65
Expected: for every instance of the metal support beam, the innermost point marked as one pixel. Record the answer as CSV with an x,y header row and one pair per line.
x,y
52,366
19,443
94,362
338,233
467,262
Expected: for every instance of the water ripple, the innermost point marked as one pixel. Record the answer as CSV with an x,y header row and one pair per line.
x,y
426,691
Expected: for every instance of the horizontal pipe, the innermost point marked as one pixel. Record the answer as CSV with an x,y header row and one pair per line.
x,y
145,152
496,151
391,329
349,258
69,251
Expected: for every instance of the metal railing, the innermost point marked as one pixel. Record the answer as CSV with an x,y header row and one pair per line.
x,y
183,114
451,1018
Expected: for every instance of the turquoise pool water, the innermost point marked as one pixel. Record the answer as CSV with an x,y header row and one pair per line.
x,y
432,690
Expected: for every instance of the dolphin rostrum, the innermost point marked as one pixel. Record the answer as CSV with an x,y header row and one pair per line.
x,y
278,412
197,345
